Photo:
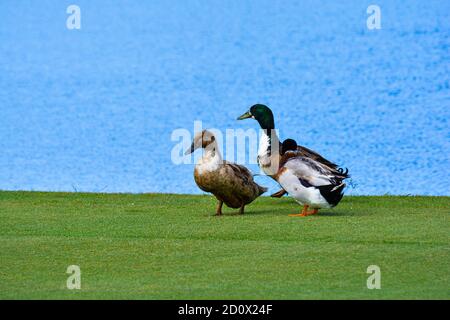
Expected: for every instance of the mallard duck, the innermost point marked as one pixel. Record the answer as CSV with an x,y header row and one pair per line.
x,y
271,153
230,183
311,183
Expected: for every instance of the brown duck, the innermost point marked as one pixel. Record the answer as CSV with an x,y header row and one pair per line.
x,y
230,183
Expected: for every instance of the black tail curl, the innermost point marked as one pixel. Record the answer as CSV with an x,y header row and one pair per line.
x,y
343,173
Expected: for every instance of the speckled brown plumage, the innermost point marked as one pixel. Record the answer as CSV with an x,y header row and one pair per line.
x,y
230,183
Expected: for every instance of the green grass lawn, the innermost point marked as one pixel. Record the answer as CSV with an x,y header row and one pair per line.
x,y
158,246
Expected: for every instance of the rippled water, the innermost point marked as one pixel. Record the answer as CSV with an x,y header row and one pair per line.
x,y
94,109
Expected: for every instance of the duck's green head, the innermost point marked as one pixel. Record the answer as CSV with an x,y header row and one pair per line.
x,y
262,114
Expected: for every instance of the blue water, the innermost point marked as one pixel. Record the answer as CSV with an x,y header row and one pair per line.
x,y
94,109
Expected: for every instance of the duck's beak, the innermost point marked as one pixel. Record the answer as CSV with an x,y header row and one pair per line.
x,y
245,116
190,150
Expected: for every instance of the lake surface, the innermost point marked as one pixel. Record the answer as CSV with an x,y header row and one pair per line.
x,y
94,109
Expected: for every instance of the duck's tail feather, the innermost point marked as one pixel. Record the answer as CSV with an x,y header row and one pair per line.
x,y
262,189
343,173
332,193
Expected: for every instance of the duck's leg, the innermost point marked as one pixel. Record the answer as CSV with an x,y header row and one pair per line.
x,y
241,210
310,213
279,194
301,214
219,208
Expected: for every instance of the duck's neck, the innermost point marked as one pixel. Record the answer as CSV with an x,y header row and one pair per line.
x,y
269,137
268,143
266,121
212,154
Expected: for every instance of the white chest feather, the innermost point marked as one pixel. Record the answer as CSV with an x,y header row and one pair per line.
x,y
268,159
264,144
208,164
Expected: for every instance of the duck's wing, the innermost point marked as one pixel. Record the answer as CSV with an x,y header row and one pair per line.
x,y
244,176
312,172
311,154
308,153
240,171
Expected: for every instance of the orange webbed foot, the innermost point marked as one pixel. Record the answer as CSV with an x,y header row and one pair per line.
x,y
305,212
296,215
310,213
